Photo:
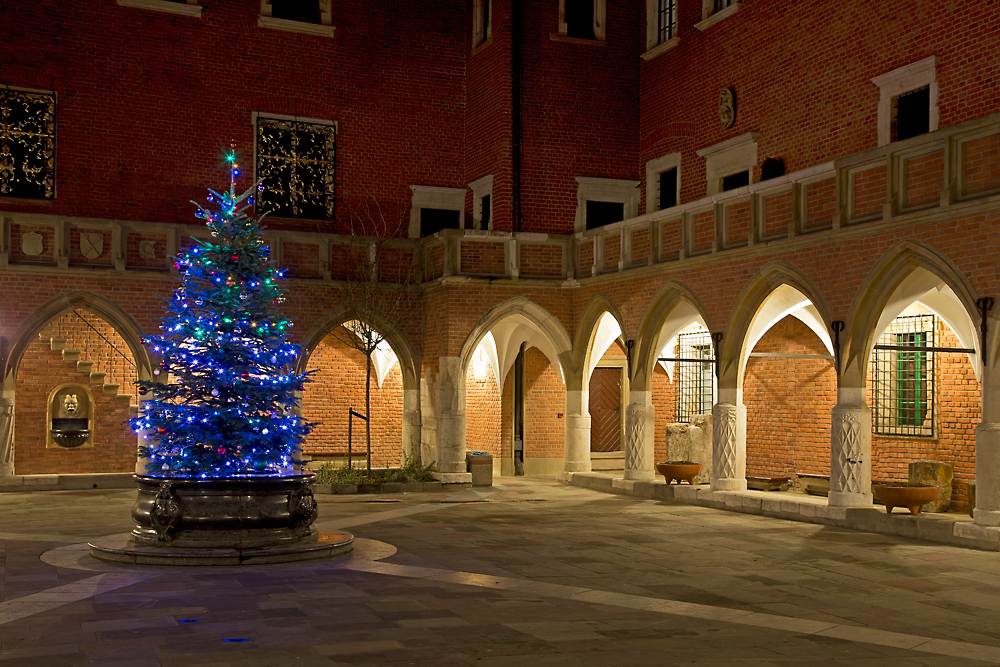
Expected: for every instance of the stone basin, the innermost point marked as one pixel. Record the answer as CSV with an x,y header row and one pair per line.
x,y
70,437
679,470
903,494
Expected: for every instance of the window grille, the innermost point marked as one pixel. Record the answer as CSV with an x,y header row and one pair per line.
x,y
297,162
666,189
666,13
695,378
903,378
722,4
27,144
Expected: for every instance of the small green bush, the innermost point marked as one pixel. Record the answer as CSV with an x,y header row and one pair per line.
x,y
410,471
330,474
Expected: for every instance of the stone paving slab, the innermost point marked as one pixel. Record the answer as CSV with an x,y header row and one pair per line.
x,y
529,573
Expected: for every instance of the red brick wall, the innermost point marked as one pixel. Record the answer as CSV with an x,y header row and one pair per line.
x,y
141,130
640,247
737,224
982,164
337,386
580,111
40,372
802,75
821,205
924,179
483,258
870,192
488,115
665,402
777,215
788,403
544,402
958,413
482,412
541,261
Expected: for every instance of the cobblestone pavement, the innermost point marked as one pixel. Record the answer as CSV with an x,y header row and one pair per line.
x,y
529,572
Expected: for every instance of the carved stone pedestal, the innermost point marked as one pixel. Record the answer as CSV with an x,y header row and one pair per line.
x,y
188,520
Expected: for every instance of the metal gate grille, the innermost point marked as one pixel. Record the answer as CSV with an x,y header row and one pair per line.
x,y
903,378
695,378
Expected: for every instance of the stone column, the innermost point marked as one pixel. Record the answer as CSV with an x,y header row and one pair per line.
x,y
851,450
639,424
6,436
729,442
451,422
411,426
987,512
576,456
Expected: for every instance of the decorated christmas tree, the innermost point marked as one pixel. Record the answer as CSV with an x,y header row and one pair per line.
x,y
228,409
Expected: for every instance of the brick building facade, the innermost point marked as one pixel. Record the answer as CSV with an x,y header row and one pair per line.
x,y
791,175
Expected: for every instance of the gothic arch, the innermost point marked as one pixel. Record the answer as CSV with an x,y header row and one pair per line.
x,y
123,323
407,356
879,288
673,307
586,333
554,341
743,323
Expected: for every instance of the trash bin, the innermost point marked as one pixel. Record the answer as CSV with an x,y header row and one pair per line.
x,y
480,464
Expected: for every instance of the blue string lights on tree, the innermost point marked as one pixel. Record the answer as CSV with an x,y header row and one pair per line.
x,y
229,407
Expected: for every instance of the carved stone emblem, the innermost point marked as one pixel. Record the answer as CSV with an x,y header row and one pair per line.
x,y
92,244
727,107
302,507
147,250
165,513
32,244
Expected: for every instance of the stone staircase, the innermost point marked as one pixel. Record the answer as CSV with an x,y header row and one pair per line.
x,y
94,378
607,462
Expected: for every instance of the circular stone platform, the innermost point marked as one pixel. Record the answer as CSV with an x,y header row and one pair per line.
x,y
121,549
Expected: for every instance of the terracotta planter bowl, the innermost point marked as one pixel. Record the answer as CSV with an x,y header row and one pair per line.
x,y
679,470
911,496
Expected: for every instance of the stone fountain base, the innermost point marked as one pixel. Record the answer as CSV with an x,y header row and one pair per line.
x,y
121,549
232,520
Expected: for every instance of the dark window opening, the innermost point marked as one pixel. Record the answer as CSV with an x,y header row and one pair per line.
x,y
297,162
772,168
600,213
579,15
27,145
433,220
306,11
721,4
486,22
737,180
911,114
666,20
484,212
666,189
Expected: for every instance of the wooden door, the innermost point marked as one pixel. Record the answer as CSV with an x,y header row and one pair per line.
x,y
605,409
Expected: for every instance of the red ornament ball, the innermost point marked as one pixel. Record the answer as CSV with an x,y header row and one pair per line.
x,y
234,257
161,430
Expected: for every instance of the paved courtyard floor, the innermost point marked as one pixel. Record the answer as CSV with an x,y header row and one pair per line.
x,y
528,572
